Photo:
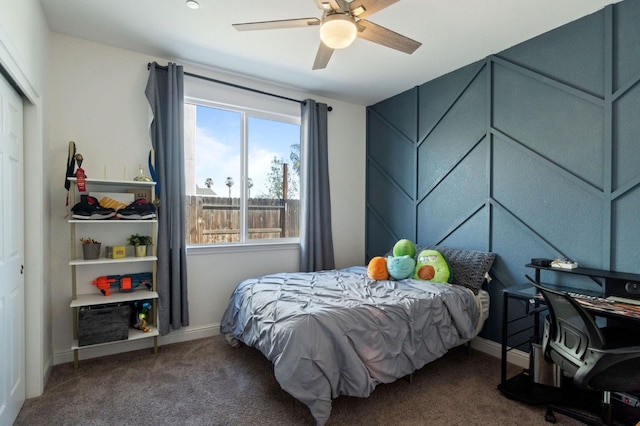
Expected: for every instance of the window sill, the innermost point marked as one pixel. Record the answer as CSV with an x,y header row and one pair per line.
x,y
289,244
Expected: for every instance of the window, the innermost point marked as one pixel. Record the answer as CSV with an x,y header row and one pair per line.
x,y
242,174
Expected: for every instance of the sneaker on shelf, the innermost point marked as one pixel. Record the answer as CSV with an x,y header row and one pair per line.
x,y
139,209
90,208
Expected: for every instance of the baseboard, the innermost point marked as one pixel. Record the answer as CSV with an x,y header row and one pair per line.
x,y
176,336
514,356
489,347
190,333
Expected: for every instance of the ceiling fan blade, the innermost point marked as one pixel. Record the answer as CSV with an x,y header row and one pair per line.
x,y
381,35
322,57
364,8
274,25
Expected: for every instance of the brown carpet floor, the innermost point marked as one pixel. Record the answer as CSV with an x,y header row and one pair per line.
x,y
207,382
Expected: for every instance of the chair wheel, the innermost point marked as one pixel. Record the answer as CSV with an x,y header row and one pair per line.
x,y
550,417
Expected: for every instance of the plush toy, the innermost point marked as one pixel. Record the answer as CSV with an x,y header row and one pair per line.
x,y
432,266
400,267
377,268
140,314
404,247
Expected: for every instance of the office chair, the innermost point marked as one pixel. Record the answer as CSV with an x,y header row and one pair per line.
x,y
602,359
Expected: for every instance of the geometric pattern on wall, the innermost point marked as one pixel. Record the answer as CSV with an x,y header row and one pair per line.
x,y
389,153
397,117
456,133
626,238
435,99
379,234
625,35
543,118
571,54
627,132
455,199
390,173
532,152
385,194
566,216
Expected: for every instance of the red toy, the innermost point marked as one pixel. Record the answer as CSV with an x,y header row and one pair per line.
x,y
125,283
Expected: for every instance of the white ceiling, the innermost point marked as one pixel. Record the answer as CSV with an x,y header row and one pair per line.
x,y
453,33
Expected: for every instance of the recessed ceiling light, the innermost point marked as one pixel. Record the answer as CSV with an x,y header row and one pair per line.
x,y
193,4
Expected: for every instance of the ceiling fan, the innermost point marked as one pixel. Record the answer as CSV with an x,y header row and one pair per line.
x,y
340,24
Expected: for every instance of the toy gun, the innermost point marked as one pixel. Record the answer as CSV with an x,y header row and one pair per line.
x,y
124,283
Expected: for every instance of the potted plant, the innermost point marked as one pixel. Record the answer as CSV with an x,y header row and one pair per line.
x,y
90,248
140,242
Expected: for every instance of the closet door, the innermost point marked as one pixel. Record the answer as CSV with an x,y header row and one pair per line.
x,y
12,304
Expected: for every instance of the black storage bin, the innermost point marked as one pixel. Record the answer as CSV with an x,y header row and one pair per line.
x,y
103,323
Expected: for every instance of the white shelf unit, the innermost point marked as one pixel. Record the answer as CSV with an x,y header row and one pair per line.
x,y
83,293
99,299
102,261
134,334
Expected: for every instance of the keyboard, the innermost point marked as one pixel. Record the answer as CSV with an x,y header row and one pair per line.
x,y
611,305
624,300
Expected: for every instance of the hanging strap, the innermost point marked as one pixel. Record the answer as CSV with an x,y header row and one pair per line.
x,y
152,172
71,164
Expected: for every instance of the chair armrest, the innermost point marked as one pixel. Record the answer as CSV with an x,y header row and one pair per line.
x,y
626,350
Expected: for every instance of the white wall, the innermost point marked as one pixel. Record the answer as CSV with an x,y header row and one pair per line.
x,y
24,49
97,100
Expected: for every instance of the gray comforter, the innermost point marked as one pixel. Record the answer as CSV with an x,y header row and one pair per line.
x,y
338,332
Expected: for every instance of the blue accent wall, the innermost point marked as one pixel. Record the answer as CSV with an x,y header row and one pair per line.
x,y
531,152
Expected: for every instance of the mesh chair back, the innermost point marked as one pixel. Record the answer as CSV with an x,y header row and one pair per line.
x,y
572,330
575,343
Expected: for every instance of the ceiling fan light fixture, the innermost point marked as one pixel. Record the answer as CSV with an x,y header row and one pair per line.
x,y
338,30
193,4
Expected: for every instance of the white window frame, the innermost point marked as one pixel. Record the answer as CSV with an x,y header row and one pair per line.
x,y
246,112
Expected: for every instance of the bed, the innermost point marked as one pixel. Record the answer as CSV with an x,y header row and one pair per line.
x,y
337,332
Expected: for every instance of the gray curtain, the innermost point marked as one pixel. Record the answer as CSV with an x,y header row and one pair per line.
x,y
316,241
165,93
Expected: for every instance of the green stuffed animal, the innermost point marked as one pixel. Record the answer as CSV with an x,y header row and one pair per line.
x,y
432,266
400,267
404,247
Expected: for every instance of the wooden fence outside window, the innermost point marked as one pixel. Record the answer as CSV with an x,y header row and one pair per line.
x,y
212,220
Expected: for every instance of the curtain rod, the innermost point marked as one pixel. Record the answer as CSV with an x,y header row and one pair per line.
x,y
237,86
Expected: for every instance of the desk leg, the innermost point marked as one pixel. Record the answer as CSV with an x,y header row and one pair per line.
x,y
536,317
505,319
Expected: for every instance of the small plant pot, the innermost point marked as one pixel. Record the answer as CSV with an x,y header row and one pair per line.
x,y
91,251
141,251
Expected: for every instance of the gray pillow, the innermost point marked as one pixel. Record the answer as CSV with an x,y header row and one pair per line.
x,y
468,266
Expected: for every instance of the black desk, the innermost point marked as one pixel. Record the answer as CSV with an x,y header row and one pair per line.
x,y
521,386
612,283
524,293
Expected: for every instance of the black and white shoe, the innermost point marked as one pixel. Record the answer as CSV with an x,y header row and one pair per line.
x,y
90,208
137,210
